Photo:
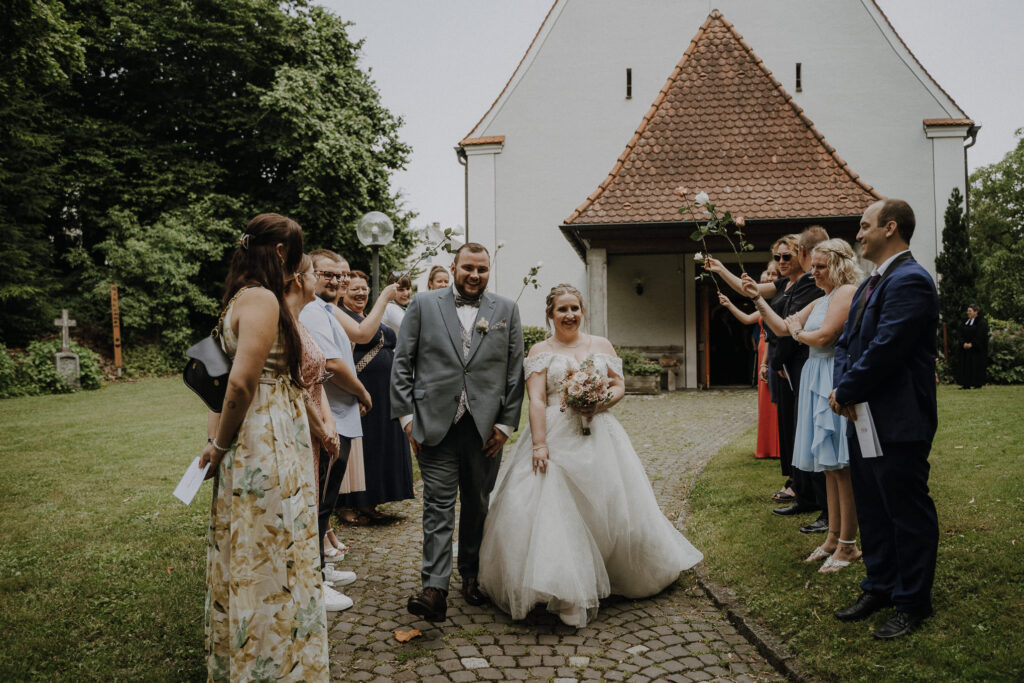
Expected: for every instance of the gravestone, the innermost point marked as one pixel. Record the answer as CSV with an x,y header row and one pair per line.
x,y
67,361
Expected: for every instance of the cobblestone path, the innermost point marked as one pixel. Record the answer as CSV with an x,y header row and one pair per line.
x,y
678,635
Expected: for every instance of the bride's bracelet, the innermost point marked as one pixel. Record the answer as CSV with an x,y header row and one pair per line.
x,y
537,448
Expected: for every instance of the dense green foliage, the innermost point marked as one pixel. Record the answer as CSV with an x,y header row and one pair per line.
x,y
34,372
533,334
997,234
636,363
151,132
1005,352
957,270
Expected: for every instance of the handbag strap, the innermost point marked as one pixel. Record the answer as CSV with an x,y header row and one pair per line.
x,y
369,355
219,329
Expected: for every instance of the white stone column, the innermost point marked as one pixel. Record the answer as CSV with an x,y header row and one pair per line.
x,y
481,197
690,320
948,171
597,297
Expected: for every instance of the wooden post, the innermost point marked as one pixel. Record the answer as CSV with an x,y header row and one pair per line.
x,y
115,316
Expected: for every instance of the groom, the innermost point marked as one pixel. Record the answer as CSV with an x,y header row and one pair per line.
x,y
457,388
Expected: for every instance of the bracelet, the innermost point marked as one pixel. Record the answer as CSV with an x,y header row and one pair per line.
x,y
218,446
537,448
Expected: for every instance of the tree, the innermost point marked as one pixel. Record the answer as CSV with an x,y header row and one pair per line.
x,y
183,121
41,51
997,233
957,269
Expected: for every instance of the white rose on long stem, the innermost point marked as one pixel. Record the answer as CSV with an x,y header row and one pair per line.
x,y
702,198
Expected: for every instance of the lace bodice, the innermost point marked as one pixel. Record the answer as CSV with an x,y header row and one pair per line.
x,y
557,366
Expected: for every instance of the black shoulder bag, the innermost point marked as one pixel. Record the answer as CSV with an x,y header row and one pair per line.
x,y
208,367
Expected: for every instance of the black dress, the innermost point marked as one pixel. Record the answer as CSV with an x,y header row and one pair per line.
x,y
974,359
386,457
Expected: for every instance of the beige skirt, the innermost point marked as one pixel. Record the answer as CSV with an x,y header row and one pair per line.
x,y
355,473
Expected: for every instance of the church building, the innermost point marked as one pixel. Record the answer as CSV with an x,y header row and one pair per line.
x,y
787,112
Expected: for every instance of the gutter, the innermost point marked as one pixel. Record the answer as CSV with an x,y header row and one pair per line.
x,y
972,132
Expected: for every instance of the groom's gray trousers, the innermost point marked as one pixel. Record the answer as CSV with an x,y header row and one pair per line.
x,y
455,466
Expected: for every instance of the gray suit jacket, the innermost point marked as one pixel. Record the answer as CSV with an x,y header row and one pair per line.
x,y
429,372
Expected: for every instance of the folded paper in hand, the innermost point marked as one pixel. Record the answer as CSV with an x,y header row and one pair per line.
x,y
189,485
867,435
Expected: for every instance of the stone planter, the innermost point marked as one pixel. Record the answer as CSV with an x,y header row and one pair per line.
x,y
643,384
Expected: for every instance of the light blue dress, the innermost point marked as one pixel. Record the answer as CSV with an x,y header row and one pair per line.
x,y
820,442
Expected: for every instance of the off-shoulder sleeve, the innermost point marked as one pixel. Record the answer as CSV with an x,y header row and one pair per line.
x,y
538,363
614,363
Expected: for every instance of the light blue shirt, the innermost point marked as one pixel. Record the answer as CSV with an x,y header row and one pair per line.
x,y
318,317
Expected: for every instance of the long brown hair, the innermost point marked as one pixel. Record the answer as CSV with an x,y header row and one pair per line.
x,y
256,262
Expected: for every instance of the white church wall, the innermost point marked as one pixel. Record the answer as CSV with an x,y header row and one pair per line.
x,y
655,317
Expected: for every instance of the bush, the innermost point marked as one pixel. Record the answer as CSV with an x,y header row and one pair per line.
x,y
1005,352
33,372
533,334
636,363
151,360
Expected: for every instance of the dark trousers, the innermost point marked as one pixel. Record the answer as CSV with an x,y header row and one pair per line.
x,y
454,467
330,483
899,528
808,486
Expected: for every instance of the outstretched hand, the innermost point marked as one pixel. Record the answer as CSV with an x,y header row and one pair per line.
x,y
713,264
750,288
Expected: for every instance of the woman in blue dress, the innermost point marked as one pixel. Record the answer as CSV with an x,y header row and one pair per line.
x,y
820,441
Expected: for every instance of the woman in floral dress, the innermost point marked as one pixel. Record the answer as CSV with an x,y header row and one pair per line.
x,y
265,615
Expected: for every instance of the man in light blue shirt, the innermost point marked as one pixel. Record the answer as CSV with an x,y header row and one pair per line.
x,y
346,396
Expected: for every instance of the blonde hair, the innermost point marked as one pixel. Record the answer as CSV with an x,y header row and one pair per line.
x,y
557,291
792,241
839,262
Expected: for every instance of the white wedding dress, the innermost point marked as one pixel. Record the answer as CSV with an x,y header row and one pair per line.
x,y
588,528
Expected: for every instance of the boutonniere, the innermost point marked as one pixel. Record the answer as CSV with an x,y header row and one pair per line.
x,y
483,326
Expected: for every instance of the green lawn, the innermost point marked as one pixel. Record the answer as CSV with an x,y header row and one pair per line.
x,y
101,568
977,482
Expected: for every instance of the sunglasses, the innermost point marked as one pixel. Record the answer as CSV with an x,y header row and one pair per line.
x,y
782,257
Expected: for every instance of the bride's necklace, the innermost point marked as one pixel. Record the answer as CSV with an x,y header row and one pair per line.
x,y
569,346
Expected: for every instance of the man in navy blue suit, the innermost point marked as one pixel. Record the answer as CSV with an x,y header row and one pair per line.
x,y
886,357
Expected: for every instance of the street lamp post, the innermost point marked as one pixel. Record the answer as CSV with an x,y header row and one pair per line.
x,y
375,230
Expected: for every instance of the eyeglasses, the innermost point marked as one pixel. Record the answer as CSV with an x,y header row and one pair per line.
x,y
332,276
782,257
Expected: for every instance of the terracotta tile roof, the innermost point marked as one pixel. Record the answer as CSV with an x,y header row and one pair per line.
x,y
948,122
490,140
723,124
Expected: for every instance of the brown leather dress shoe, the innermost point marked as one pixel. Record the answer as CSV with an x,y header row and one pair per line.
x,y
472,593
430,604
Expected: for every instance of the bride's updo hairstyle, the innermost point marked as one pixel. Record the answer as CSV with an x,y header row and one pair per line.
x,y
840,261
557,291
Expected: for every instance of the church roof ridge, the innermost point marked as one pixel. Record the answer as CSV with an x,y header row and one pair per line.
x,y
641,183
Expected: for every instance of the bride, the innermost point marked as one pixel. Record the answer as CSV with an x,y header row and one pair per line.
x,y
573,518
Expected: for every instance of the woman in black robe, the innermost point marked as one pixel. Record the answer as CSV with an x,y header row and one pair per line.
x,y
973,349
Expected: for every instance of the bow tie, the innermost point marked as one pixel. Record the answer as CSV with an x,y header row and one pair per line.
x,y
466,301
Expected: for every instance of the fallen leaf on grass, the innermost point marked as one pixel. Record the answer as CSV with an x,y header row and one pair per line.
x,y
404,636
170,569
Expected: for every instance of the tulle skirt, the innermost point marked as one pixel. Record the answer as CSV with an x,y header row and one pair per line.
x,y
588,528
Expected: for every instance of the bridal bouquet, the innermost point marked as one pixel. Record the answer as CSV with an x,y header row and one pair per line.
x,y
585,387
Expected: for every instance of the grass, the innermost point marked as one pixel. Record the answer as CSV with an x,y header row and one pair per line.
x,y
977,468
102,570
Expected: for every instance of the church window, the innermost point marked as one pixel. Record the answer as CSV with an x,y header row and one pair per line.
x,y
629,84
799,77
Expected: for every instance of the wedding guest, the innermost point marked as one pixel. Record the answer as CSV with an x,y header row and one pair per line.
x,y
395,310
974,349
347,397
820,440
250,624
439,278
387,460
767,445
885,359
332,280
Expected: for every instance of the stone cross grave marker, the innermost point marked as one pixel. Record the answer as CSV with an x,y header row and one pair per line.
x,y
66,360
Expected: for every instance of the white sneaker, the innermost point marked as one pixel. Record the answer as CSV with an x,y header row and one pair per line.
x,y
338,577
335,601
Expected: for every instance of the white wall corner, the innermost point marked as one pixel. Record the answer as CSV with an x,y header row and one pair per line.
x,y
597,284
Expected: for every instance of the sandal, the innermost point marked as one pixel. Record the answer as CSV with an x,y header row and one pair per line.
x,y
832,565
784,495
819,554
353,518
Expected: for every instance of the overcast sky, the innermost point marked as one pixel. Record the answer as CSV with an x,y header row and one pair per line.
x,y
440,64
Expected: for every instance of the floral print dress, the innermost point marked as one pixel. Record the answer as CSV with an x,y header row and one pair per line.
x,y
265,617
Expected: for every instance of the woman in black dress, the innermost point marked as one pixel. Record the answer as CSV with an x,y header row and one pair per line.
x,y
973,349
386,458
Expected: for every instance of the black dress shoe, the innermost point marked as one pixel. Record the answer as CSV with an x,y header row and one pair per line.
x,y
818,526
472,593
866,605
795,509
900,624
431,604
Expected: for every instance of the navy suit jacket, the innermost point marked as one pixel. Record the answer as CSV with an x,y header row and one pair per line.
x,y
888,359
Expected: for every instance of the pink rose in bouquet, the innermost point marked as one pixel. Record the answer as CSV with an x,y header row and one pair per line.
x,y
584,388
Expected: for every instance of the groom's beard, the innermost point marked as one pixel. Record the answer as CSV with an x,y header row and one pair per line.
x,y
462,292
